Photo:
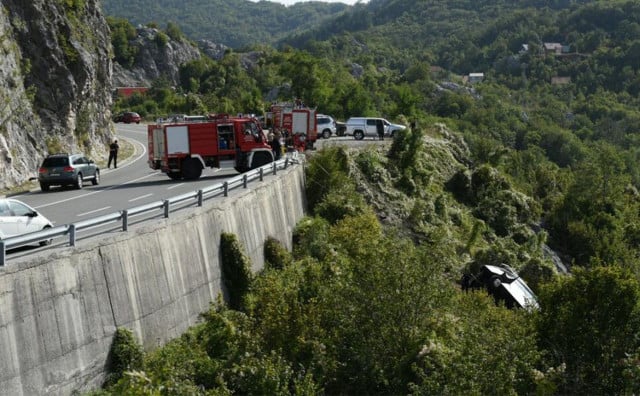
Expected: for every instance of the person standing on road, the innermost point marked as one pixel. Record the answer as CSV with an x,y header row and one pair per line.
x,y
113,153
380,129
275,145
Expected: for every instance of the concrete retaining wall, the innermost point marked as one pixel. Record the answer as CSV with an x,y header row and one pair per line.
x,y
59,311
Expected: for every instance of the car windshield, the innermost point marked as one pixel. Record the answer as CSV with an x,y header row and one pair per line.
x,y
55,161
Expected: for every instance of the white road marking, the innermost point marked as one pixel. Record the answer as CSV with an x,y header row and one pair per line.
x,y
141,197
93,211
174,186
95,192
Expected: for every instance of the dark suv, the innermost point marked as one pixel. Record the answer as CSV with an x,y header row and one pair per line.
x,y
128,117
67,169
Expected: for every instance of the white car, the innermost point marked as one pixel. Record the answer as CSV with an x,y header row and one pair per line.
x,y
17,218
361,127
326,126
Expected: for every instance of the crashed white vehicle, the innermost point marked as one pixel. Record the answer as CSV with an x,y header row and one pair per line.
x,y
504,284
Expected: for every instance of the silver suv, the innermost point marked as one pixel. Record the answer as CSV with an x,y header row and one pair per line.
x,y
326,126
67,169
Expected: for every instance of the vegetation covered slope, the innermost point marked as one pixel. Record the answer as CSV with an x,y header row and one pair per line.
x,y
368,302
543,150
234,23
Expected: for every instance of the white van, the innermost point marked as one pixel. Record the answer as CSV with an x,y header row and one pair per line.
x,y
361,127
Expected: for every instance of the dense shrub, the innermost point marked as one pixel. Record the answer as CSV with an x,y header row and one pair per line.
x,y
126,354
236,270
276,256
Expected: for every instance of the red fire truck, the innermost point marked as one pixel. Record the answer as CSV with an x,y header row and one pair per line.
x,y
295,122
182,150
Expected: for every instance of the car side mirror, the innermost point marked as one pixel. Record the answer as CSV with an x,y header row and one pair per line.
x,y
32,214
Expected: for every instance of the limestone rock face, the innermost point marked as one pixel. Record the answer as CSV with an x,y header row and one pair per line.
x,y
55,83
157,57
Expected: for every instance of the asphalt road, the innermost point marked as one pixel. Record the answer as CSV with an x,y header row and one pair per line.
x,y
132,184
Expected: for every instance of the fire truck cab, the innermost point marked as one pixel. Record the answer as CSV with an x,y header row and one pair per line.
x,y
183,149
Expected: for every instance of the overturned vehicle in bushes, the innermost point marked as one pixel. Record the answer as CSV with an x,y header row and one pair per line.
x,y
504,284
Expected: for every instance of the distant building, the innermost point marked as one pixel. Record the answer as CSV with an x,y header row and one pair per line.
x,y
553,48
475,77
560,80
125,92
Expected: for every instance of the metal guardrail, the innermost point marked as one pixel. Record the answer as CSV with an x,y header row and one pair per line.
x,y
71,230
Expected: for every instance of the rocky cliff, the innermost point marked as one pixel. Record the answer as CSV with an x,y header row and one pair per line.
x,y
158,56
55,83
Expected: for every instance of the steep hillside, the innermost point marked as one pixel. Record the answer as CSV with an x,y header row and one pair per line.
x,y
234,23
55,79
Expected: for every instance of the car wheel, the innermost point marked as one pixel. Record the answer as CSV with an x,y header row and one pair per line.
x,y
96,179
495,282
48,241
44,186
358,135
79,181
326,134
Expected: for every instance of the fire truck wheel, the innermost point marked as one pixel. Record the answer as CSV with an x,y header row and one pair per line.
x,y
175,175
261,158
191,169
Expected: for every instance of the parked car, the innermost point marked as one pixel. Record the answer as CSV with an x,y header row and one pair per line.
x,y
128,117
326,126
17,218
67,169
504,284
361,127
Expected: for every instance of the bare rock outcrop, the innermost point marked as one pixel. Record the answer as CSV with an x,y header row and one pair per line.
x,y
55,83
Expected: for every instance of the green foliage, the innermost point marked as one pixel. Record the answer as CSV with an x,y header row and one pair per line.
x,y
589,324
54,145
486,350
310,238
236,270
358,309
276,256
234,24
406,150
174,32
326,173
122,32
125,355
161,39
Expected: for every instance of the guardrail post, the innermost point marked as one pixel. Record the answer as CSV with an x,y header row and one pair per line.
x,y
286,162
125,220
244,181
200,194
226,189
165,205
72,234
261,174
3,254
275,168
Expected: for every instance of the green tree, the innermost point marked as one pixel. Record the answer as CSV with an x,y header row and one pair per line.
x,y
589,323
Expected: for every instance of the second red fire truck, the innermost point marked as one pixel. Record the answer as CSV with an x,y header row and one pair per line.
x,y
296,123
